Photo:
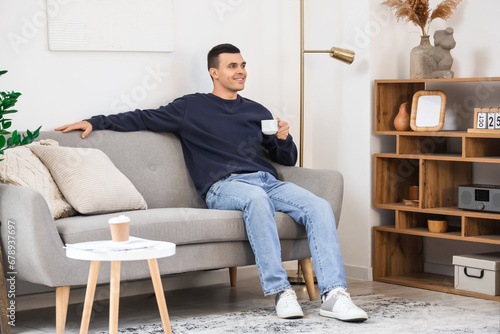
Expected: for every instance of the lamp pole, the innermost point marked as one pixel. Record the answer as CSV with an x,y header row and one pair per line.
x,y
346,56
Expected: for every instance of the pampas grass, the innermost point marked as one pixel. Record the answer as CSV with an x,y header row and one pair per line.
x,y
419,13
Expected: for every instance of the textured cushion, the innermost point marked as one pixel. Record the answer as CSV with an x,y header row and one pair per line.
x,y
22,168
89,180
152,161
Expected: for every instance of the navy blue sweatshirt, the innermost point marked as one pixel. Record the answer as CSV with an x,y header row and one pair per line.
x,y
218,136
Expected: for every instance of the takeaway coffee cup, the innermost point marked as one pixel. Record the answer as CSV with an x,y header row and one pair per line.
x,y
120,228
269,126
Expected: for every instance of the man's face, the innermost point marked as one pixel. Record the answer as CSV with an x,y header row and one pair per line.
x,y
231,73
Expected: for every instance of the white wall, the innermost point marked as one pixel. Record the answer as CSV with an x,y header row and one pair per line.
x,y
338,121
475,52
62,87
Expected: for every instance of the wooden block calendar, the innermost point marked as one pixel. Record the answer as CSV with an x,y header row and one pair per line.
x,y
486,120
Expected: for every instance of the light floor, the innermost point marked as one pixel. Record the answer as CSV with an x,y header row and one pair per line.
x,y
218,299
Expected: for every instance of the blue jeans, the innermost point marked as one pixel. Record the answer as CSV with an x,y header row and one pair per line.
x,y
258,195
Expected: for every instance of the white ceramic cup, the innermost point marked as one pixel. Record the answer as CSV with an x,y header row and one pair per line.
x,y
120,228
269,126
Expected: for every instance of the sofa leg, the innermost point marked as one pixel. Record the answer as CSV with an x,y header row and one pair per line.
x,y
233,273
307,270
62,299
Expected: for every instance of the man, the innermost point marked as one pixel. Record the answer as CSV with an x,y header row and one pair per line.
x,y
224,150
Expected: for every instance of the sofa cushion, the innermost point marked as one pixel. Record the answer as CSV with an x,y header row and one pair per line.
x,y
178,225
89,180
22,168
152,161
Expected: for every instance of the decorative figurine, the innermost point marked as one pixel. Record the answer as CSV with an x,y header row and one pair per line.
x,y
443,43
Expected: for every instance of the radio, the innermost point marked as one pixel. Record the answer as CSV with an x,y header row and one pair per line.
x,y
479,197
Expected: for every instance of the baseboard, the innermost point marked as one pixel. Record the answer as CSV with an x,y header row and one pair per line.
x,y
355,272
127,289
361,273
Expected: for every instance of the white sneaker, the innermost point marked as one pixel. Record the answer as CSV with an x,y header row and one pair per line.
x,y
339,305
287,306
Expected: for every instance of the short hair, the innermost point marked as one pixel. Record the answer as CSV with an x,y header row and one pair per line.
x,y
213,55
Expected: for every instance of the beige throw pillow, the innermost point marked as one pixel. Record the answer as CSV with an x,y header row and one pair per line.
x,y
22,168
89,180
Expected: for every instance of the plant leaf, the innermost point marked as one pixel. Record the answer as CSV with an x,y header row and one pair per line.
x,y
37,132
9,112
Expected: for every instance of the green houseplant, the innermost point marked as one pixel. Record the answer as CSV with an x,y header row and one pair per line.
x,y
7,101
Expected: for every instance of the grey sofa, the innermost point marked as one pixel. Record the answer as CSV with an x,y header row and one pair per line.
x,y
206,239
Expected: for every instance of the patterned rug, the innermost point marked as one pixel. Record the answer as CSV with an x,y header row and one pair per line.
x,y
386,315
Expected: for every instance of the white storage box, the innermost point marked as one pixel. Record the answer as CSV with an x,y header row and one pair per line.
x,y
478,273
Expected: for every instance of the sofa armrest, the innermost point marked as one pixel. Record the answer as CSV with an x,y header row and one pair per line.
x,y
36,247
324,183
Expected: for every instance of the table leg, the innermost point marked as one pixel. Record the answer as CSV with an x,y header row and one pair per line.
x,y
160,296
89,296
62,300
114,297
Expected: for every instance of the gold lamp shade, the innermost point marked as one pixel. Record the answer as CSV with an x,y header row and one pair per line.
x,y
344,55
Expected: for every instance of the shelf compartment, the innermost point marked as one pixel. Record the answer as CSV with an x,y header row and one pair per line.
x,y
417,221
396,254
480,227
393,178
429,145
441,180
388,98
482,147
398,259
454,234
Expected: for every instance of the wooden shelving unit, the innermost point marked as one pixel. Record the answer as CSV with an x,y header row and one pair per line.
x,y
438,162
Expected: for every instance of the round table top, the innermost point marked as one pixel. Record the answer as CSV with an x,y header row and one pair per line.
x,y
108,250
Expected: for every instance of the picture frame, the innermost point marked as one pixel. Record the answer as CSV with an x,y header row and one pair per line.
x,y
428,110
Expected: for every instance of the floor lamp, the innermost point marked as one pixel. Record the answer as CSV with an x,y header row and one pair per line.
x,y
346,56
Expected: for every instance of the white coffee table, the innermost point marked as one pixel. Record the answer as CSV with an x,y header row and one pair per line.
x,y
107,250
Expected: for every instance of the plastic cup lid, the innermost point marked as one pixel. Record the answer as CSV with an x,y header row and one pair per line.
x,y
118,220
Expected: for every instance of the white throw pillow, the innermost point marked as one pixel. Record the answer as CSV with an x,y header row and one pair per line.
x,y
89,180
22,168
